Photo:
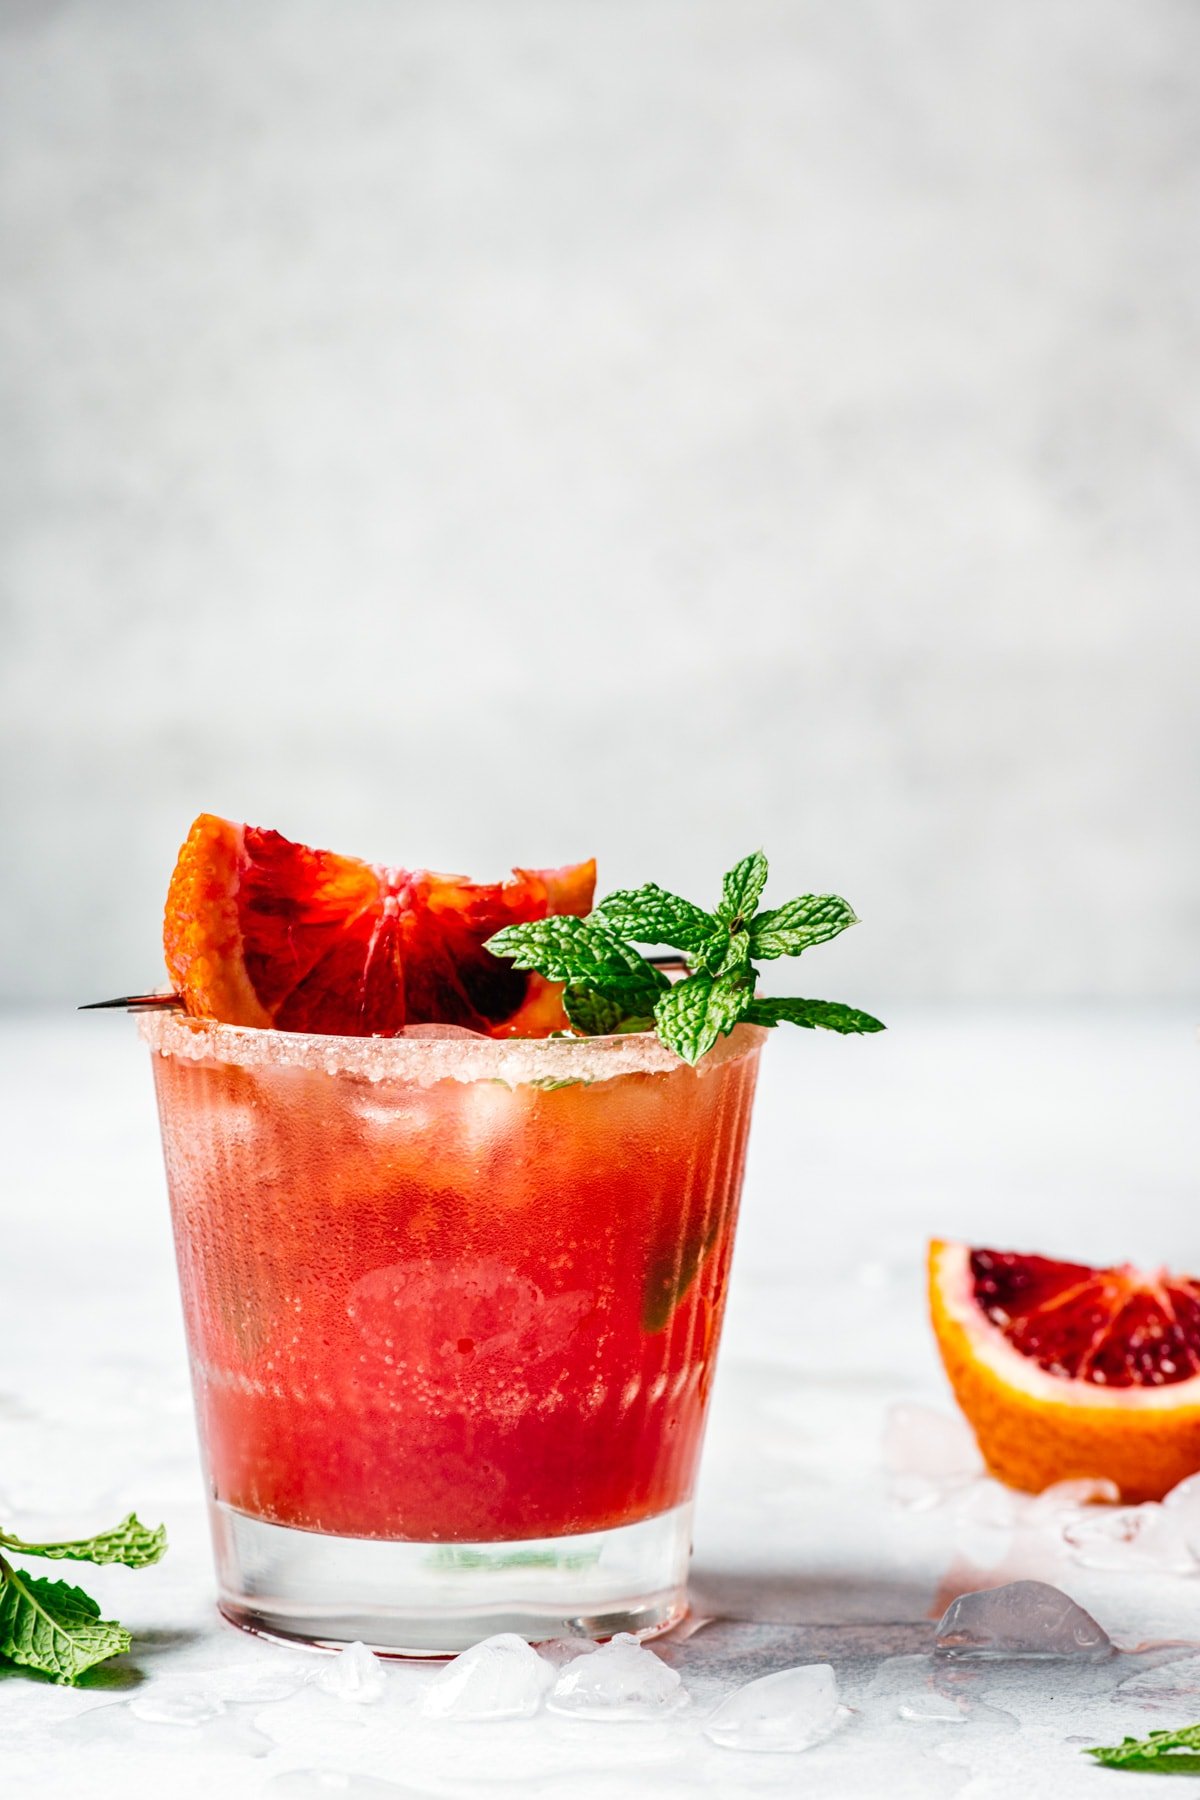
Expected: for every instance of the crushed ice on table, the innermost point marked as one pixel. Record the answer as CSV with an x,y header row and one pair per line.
x,y
1128,1537
354,1674
1023,1618
929,1455
790,1710
931,1461
501,1678
620,1680
1160,1537
560,1651
1184,1502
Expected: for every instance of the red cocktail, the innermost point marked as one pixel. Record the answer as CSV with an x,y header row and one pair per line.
x,y
454,1170
453,1305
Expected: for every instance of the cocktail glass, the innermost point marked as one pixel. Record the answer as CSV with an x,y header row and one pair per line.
x,y
452,1308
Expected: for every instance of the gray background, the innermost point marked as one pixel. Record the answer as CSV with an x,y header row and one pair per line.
x,y
469,432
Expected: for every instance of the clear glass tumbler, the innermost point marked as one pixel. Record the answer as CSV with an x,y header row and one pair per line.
x,y
452,1307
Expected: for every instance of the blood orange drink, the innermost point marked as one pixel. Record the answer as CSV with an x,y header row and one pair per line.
x,y
452,1305
454,1170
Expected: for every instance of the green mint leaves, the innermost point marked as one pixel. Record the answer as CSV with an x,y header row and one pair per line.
x,y
693,1014
55,1628
812,919
131,1543
650,915
610,987
741,890
823,1015
1162,1753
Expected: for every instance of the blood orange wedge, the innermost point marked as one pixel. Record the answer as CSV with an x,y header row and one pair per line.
x,y
1064,1370
261,931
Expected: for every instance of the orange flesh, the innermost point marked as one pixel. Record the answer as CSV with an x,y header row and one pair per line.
x,y
1037,1423
261,931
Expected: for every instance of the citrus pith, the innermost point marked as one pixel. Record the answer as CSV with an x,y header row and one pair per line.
x,y
1066,1371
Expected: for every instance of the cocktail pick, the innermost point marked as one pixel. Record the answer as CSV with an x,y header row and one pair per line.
x,y
136,1003
171,1002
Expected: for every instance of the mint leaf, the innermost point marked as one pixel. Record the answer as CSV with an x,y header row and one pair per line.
x,y
609,986
828,1015
1157,1753
742,889
730,957
693,1014
796,926
651,915
54,1627
669,1277
131,1543
596,1014
581,952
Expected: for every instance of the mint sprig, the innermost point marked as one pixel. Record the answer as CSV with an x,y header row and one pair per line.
x,y
821,1015
741,890
1161,1753
693,1014
651,915
131,1543
610,986
54,1627
593,961
810,919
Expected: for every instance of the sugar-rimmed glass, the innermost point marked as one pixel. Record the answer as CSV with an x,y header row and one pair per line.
x,y
452,1306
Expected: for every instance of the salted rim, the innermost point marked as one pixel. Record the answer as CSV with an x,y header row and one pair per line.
x,y
422,1061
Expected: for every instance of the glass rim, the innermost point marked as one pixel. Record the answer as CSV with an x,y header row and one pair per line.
x,y
424,1060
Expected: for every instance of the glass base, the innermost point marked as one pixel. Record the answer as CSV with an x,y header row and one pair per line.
x,y
405,1599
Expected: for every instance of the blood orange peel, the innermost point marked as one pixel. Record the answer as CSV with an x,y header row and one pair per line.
x,y
261,931
1064,1370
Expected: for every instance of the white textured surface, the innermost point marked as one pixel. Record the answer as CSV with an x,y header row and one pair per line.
x,y
467,431
1074,1133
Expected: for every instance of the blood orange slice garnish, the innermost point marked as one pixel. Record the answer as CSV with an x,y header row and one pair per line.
x,y
1066,1370
261,931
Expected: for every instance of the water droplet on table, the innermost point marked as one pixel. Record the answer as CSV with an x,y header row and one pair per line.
x,y
165,1707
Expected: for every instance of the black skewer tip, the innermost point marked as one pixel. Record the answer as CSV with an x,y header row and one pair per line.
x,y
134,1003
